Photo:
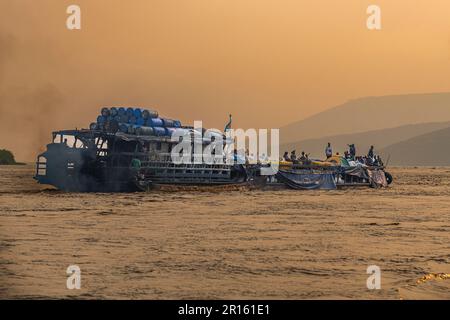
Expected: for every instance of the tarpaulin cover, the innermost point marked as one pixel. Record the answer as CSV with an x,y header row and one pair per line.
x,y
297,180
344,162
357,172
377,178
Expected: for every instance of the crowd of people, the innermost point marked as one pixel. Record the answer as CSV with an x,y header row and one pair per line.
x,y
371,159
303,158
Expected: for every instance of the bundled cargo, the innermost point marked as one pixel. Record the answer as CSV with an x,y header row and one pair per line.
x,y
123,127
159,131
105,112
155,122
114,112
132,149
130,112
143,122
168,123
147,114
121,111
137,113
144,131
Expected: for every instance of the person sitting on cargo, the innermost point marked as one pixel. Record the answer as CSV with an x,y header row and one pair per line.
x,y
286,156
307,161
328,151
370,153
293,156
302,157
375,161
352,151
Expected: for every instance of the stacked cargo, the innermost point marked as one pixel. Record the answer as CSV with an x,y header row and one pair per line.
x,y
137,121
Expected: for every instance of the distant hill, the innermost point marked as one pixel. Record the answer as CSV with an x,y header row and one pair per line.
x,y
371,113
379,138
431,149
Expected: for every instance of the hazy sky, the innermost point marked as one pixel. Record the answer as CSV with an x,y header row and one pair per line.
x,y
268,62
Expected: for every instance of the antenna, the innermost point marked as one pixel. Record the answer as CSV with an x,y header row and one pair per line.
x,y
387,161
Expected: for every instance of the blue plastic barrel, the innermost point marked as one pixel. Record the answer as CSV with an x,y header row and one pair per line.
x,y
138,113
105,112
101,119
155,122
144,131
114,112
159,131
177,123
130,112
140,121
170,131
123,127
167,122
132,120
146,114
123,118
121,111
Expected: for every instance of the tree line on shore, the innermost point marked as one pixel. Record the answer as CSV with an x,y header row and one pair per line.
x,y
7,158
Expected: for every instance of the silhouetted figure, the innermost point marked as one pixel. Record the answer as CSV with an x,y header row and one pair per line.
x,y
370,153
307,161
328,151
352,151
293,156
302,157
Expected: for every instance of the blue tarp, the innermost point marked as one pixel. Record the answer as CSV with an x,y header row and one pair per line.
x,y
298,180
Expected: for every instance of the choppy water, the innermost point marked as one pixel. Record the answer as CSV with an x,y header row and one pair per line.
x,y
237,244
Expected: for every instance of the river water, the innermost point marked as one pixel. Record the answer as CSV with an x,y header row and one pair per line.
x,y
227,243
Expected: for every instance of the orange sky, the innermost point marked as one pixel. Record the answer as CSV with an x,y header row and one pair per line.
x,y
269,62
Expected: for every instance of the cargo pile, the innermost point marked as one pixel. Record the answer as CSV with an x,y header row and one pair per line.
x,y
137,121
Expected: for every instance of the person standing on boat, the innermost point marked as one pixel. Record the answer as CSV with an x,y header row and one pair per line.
x,y
352,151
328,151
370,153
286,156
